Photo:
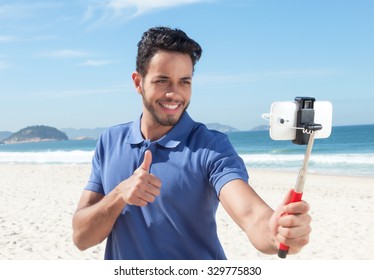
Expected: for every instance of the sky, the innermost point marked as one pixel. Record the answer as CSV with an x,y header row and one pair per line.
x,y
68,64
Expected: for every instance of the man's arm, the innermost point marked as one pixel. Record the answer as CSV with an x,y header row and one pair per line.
x,y
96,214
95,217
266,228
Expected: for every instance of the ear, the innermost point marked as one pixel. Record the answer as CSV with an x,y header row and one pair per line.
x,y
137,79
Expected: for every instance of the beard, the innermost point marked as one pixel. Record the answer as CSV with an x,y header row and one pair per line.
x,y
169,120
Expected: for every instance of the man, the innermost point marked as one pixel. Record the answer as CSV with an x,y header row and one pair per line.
x,y
156,182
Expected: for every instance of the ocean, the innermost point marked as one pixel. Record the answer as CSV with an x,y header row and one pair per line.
x,y
348,151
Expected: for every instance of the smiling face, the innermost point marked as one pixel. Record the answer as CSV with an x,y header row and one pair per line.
x,y
166,92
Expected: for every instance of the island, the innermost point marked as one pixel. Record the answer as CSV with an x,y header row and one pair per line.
x,y
221,127
37,133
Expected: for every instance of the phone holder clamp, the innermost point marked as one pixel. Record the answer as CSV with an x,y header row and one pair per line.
x,y
305,120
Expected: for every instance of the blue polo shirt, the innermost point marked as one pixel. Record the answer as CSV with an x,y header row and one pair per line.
x,y
193,164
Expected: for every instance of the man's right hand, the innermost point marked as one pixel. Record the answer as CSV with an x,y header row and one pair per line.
x,y
142,187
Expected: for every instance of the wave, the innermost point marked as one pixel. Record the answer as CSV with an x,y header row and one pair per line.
x,y
316,158
76,156
353,164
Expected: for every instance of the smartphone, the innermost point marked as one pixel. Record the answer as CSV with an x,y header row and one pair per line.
x,y
283,119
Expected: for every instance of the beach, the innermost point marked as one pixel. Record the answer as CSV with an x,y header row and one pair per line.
x,y
38,202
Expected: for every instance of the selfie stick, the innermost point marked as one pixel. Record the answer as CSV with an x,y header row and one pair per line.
x,y
308,130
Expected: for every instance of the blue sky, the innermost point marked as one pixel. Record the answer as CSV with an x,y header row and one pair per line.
x,y
69,63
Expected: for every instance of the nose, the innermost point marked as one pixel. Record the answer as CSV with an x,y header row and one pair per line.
x,y
171,91
170,94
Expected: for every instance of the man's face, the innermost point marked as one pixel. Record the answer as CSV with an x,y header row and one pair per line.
x,y
166,89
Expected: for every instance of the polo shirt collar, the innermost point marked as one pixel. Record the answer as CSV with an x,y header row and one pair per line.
x,y
135,136
171,139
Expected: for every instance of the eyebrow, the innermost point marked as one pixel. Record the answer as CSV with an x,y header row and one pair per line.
x,y
186,78
167,77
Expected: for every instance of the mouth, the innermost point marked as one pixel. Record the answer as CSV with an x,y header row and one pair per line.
x,y
170,106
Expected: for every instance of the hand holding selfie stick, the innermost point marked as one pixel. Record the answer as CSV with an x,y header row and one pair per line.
x,y
296,121
297,193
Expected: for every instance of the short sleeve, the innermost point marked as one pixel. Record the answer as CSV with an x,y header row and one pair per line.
x,y
224,164
95,183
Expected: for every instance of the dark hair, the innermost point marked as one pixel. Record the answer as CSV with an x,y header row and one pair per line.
x,y
164,39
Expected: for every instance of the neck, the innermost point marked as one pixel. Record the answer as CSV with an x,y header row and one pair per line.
x,y
153,131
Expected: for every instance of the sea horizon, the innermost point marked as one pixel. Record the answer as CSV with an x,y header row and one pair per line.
x,y
348,151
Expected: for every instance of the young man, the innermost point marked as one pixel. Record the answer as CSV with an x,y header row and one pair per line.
x,y
156,182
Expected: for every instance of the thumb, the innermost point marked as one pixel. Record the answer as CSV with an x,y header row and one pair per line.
x,y
286,200
147,161
287,197
278,213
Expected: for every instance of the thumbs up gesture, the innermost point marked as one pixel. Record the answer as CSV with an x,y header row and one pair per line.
x,y
147,161
142,187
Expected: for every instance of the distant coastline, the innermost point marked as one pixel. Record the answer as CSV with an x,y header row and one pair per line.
x,y
40,133
37,133
94,133
349,150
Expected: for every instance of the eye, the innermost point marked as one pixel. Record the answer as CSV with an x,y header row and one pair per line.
x,y
186,82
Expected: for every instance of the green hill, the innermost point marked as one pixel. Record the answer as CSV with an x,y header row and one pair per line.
x,y
36,133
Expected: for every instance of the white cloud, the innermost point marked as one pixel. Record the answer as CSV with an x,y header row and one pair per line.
x,y
3,65
7,39
100,12
66,54
90,11
40,38
22,10
35,38
57,94
92,62
252,77
144,6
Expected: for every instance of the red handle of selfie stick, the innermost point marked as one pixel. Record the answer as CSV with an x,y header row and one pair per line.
x,y
283,249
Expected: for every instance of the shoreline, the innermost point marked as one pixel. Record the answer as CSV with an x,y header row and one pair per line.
x,y
250,169
309,173
38,201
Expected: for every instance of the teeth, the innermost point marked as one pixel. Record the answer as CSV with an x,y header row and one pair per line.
x,y
170,106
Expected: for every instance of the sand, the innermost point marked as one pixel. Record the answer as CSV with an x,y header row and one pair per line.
x,y
37,202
